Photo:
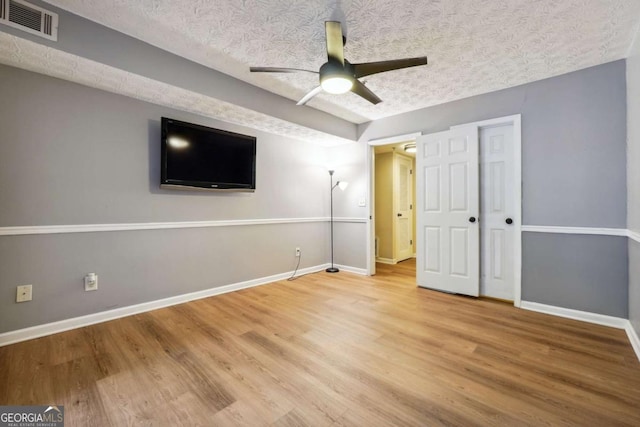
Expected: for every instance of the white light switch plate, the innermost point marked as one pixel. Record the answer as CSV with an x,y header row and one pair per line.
x,y
362,202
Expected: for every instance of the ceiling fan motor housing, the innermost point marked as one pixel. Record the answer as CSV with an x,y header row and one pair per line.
x,y
337,78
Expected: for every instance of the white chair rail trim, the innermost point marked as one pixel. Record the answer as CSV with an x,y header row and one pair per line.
x,y
92,228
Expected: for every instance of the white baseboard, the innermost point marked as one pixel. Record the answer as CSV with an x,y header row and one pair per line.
x,y
585,316
386,260
38,331
633,337
348,269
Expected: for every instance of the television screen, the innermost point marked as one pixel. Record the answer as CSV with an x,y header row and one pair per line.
x,y
199,157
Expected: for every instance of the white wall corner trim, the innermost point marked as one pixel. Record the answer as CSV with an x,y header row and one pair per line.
x,y
89,228
585,316
634,235
576,230
633,338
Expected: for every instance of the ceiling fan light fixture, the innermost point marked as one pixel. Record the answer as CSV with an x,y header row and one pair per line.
x,y
410,148
335,78
338,75
336,84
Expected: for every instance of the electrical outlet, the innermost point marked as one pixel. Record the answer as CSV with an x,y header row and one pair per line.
x,y
298,251
91,282
24,293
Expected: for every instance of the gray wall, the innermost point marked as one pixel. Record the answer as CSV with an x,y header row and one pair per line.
x,y
581,272
75,155
633,179
349,162
574,174
573,142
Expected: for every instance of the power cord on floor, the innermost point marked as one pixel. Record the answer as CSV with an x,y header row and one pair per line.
x,y
293,276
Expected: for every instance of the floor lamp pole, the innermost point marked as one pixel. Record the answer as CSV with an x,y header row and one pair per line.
x,y
331,269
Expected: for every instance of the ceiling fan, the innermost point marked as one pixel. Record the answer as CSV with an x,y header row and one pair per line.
x,y
338,75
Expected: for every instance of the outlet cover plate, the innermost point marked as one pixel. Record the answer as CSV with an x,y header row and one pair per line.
x,y
91,282
24,293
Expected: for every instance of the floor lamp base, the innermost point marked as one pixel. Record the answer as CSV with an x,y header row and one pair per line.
x,y
332,270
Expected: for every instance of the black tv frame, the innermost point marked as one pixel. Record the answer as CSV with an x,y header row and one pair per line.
x,y
175,184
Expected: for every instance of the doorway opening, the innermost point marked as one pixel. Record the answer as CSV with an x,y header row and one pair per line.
x,y
394,202
486,196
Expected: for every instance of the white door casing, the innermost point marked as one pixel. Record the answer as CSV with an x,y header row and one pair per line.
x,y
403,207
448,208
497,208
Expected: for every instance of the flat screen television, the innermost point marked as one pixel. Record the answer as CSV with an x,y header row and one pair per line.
x,y
203,158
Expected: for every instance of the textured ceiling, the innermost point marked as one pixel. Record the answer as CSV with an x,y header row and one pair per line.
x,y
473,46
21,53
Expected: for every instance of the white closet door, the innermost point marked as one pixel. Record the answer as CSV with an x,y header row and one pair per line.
x,y
403,182
448,208
497,211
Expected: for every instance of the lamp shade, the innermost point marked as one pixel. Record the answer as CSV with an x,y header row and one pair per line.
x,y
343,185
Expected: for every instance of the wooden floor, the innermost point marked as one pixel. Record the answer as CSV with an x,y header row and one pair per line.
x,y
331,350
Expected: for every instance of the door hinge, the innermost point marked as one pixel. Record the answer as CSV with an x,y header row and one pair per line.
x,y
411,242
410,171
410,207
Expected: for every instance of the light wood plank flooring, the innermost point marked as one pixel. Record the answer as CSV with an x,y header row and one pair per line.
x,y
332,350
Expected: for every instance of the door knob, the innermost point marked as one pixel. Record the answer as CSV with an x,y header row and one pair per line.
x,y
472,219
508,221
399,214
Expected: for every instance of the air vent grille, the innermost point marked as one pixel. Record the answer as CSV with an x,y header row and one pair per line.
x,y
25,16
29,18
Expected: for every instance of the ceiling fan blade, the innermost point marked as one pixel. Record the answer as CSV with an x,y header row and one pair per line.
x,y
310,95
335,43
368,68
360,89
278,70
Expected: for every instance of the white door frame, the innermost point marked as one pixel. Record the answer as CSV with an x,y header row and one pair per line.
x,y
399,158
371,191
516,121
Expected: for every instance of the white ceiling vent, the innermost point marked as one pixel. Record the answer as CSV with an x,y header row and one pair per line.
x,y
29,18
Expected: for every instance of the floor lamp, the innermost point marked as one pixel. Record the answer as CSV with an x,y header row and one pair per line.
x,y
342,185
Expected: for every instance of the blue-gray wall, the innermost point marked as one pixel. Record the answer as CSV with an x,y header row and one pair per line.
x,y
583,272
573,174
56,154
72,155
